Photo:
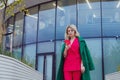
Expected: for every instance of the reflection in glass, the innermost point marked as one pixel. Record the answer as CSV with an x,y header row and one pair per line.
x,y
8,42
31,25
94,46
45,47
40,64
46,22
66,14
111,17
30,53
89,18
45,64
17,53
18,30
48,70
9,37
10,25
3,42
111,48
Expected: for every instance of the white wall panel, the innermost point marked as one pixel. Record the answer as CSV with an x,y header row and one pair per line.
x,y
12,69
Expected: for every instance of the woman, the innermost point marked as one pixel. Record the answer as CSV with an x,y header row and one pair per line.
x,y
76,61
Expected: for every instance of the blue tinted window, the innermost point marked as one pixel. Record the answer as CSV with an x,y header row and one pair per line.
x,y
10,25
8,42
94,46
89,18
18,32
17,53
29,53
111,18
31,25
45,47
66,15
111,48
46,26
9,37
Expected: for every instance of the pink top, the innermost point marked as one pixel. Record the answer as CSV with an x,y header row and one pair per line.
x,y
73,59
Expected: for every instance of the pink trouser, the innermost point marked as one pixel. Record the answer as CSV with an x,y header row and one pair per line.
x,y
72,75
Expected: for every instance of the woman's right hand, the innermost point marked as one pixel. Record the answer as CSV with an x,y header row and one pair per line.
x,y
65,51
67,47
65,54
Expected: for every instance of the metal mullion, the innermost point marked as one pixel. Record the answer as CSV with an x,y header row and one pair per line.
x,y
36,64
77,10
22,54
103,76
13,31
44,67
54,55
47,53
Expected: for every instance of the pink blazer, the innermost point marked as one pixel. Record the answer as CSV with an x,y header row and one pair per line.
x,y
73,58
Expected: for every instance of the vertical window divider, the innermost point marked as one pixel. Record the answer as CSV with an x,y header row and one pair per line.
x,y
103,76
13,32
54,56
23,38
36,62
77,9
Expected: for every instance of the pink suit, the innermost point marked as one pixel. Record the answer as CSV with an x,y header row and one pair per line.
x,y
72,64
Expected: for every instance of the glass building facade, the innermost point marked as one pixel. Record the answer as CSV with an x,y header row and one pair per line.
x,y
39,35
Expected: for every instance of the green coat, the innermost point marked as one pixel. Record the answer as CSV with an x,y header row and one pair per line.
x,y
86,58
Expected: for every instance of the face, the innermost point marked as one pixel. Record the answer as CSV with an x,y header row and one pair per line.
x,y
70,32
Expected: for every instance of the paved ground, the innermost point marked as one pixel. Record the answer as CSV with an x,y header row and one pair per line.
x,y
113,76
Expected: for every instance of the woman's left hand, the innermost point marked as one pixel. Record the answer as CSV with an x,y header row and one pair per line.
x,y
82,68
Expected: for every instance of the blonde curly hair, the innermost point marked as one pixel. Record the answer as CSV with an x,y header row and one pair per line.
x,y
72,26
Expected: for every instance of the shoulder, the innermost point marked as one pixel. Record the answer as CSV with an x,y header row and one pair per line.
x,y
80,39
